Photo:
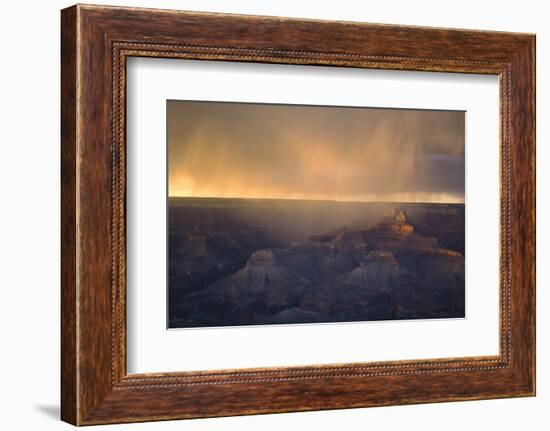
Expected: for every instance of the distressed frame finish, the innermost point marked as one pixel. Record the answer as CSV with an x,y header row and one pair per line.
x,y
95,42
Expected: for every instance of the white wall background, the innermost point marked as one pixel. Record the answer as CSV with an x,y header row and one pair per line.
x,y
29,215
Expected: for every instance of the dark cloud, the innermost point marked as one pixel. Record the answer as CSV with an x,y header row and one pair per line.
x,y
285,151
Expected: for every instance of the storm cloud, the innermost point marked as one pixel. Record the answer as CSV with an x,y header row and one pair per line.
x,y
218,149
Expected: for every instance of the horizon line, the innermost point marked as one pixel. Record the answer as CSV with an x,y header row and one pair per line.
x,y
314,200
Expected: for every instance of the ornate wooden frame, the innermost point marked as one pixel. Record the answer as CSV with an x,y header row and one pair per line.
x,y
95,42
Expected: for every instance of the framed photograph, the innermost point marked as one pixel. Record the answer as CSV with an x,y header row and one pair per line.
x,y
285,214
266,215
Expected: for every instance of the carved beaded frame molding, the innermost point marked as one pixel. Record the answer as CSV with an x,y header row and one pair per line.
x,y
96,41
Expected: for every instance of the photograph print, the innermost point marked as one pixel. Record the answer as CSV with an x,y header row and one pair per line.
x,y
286,214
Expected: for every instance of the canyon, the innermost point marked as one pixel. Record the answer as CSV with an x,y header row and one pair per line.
x,y
250,262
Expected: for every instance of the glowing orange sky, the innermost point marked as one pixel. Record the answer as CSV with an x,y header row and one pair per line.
x,y
306,152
